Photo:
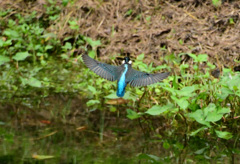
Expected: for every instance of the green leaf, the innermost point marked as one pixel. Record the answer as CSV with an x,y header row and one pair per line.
x,y
209,109
168,88
132,114
12,34
233,83
5,43
224,92
92,54
184,66
193,106
140,57
166,145
4,59
48,47
21,56
181,41
223,110
160,67
192,56
2,123
142,66
195,67
49,35
93,44
224,135
199,117
149,157
67,46
175,82
65,2
199,58
24,81
231,21
111,96
92,89
34,82
157,110
197,131
42,157
129,96
182,102
213,117
237,93
64,56
210,65
200,151
73,25
217,3
187,91
211,113
202,57
92,102
202,95
129,12
178,145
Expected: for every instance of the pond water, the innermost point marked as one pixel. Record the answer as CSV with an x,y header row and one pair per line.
x,y
81,137
69,145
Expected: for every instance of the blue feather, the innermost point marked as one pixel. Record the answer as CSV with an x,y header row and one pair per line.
x,y
122,82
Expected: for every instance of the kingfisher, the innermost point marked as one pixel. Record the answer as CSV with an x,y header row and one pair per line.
x,y
124,74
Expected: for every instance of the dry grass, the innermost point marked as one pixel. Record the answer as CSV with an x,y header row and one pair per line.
x,y
186,26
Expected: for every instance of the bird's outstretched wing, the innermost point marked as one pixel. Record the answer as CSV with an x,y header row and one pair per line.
x,y
136,78
104,70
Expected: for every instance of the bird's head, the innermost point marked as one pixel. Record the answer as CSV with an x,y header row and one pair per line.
x,y
127,61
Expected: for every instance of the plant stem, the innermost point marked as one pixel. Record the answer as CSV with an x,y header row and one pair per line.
x,y
102,125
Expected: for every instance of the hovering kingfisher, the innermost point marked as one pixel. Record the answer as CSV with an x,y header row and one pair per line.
x,y
124,74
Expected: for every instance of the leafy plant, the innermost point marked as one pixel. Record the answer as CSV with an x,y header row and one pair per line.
x,y
217,3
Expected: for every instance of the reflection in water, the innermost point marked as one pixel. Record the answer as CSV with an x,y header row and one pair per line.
x,y
49,136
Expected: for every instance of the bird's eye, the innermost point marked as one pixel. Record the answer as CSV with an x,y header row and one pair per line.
x,y
130,62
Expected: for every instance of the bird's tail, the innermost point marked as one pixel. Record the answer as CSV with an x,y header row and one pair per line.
x,y
121,91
